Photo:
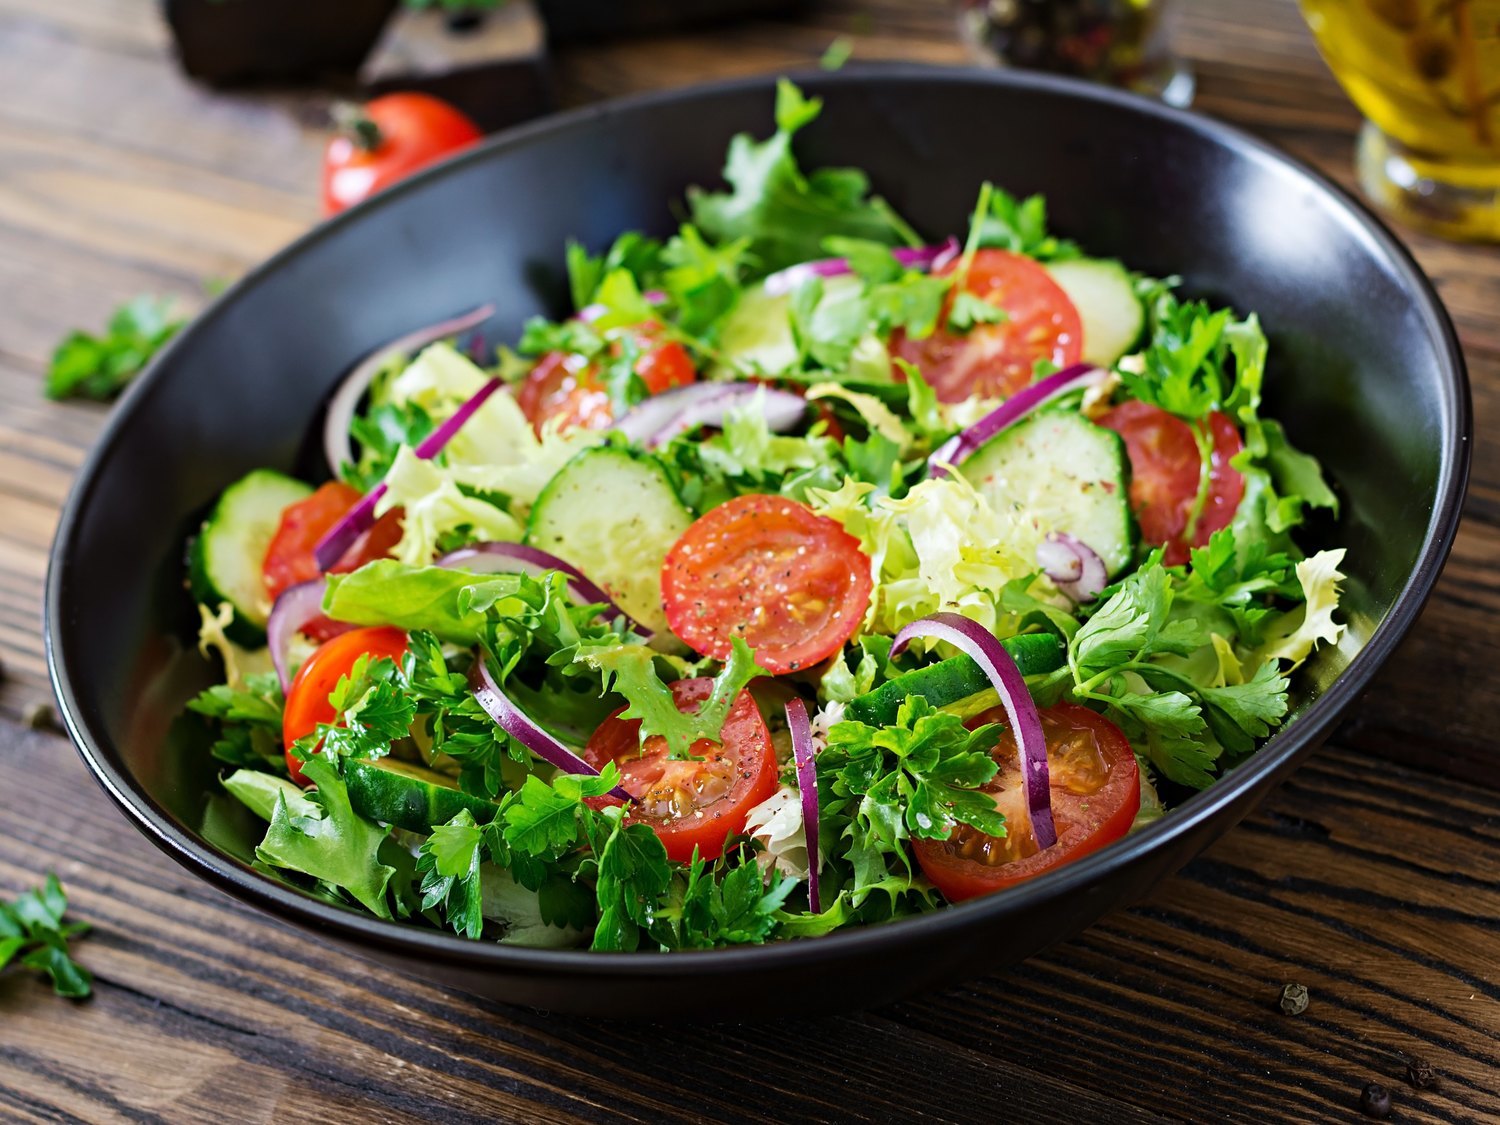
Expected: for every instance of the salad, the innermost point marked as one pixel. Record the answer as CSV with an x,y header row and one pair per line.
x,y
810,574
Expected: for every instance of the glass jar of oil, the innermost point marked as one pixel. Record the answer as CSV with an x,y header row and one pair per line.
x,y
1426,75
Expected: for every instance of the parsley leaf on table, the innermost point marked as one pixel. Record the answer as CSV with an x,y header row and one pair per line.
x,y
99,367
32,929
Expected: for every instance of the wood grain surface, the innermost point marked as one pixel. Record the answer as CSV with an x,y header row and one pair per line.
x,y
1373,877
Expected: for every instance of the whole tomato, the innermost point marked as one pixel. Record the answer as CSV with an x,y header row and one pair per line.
x,y
387,140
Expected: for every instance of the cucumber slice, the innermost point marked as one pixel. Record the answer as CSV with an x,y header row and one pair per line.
x,y
614,515
1068,474
1104,295
226,559
956,683
407,795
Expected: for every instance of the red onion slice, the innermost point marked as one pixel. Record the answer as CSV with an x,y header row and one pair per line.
x,y
662,417
807,782
295,607
518,558
1074,567
1023,402
509,718
345,401
358,520
979,645
913,258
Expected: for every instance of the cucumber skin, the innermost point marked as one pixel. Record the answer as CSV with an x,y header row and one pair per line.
x,y
949,681
240,630
244,633
405,801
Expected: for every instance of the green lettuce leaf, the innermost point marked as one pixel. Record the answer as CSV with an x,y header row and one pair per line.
x,y
631,671
783,214
340,848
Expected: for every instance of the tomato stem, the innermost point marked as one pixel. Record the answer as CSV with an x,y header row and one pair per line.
x,y
353,122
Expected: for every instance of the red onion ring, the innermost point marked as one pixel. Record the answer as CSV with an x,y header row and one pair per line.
x,y
518,558
1074,567
807,782
341,536
662,417
509,718
1023,402
979,645
294,607
337,448
913,258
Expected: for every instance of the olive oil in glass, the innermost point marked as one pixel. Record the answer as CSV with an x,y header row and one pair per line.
x,y
1426,75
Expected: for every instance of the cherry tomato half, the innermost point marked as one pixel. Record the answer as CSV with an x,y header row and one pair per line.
x,y
1165,465
691,804
387,140
289,557
307,699
792,583
997,360
568,386
1096,792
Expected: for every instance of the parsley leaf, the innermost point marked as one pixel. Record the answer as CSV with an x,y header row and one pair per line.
x,y
99,367
1157,654
969,309
632,671
916,779
540,335
1020,225
32,929
381,431
701,911
449,865
633,252
702,280
371,711
339,848
249,721
784,213
633,872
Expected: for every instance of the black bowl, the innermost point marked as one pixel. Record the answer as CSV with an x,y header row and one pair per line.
x,y
1366,373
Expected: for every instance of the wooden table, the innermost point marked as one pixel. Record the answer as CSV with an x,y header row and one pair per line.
x,y
1373,877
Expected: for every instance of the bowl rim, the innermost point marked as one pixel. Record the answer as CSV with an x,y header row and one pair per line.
x,y
1269,764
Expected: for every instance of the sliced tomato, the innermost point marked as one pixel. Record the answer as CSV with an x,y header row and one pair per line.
x,y
289,558
792,583
691,804
1165,465
997,360
1096,792
568,387
307,703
